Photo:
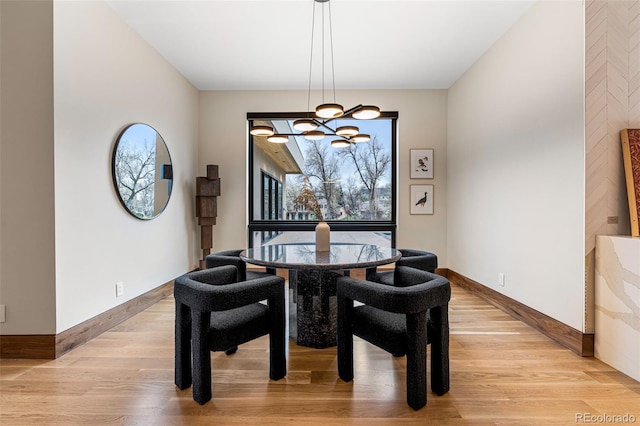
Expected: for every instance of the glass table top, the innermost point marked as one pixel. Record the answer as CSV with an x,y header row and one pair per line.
x,y
304,256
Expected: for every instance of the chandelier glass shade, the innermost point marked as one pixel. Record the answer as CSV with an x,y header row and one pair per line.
x,y
326,112
367,112
347,131
261,131
340,143
314,135
305,125
329,111
278,138
360,137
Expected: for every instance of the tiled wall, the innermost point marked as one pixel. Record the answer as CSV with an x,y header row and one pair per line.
x,y
612,77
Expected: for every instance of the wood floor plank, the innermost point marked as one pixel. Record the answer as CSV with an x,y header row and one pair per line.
x,y
503,372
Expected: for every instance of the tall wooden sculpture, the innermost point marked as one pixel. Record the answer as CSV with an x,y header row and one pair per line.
x,y
207,191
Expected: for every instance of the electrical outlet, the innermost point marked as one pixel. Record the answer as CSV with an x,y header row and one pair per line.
x,y
3,313
119,289
501,279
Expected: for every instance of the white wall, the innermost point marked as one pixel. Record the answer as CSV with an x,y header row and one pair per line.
x,y
27,267
422,123
515,167
107,77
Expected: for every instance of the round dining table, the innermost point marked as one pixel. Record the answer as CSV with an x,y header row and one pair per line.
x,y
312,282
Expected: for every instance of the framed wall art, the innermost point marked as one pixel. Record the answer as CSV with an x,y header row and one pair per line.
x,y
631,157
421,163
421,199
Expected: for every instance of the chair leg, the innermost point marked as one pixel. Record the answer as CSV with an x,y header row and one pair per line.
x,y
345,339
370,273
231,351
201,357
182,373
417,360
293,287
277,338
439,349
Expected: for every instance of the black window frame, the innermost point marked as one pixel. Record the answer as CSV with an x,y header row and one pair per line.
x,y
261,225
274,190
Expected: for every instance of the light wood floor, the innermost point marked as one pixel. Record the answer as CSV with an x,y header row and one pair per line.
x,y
502,372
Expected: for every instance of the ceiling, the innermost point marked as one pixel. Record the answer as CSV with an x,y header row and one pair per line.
x,y
265,44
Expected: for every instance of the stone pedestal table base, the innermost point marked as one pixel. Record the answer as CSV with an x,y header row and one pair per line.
x,y
313,312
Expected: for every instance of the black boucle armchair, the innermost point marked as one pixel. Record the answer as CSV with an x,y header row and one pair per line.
x,y
232,257
216,313
400,319
418,259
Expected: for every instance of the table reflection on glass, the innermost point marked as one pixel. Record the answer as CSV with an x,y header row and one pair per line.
x,y
312,282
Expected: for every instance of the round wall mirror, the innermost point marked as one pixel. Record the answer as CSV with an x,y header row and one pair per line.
x,y
142,171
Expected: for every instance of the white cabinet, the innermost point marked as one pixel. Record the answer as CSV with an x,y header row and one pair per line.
x,y
617,300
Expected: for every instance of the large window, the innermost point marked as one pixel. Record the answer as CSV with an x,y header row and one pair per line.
x,y
355,186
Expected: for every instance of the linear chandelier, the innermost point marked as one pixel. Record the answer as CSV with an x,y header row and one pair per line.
x,y
321,124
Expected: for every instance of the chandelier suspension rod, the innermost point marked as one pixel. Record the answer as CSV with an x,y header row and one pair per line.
x,y
333,71
313,24
322,54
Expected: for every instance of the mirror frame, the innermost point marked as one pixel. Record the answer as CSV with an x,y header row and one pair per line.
x,y
164,174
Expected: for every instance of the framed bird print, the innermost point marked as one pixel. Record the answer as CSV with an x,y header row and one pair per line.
x,y
421,163
421,199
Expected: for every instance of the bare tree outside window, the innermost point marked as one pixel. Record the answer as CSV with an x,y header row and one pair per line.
x,y
135,167
351,183
347,196
322,164
372,162
352,199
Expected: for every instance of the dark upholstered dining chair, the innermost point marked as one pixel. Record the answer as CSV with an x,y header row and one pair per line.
x,y
214,312
418,259
232,257
401,319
